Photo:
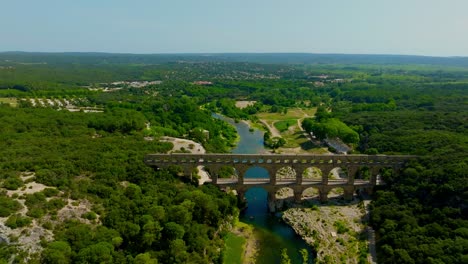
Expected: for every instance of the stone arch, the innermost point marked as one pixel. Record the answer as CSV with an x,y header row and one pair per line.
x,y
256,199
378,174
311,193
363,191
364,173
284,192
218,173
254,173
174,168
341,193
227,171
264,196
286,173
202,175
284,197
312,174
338,174
336,193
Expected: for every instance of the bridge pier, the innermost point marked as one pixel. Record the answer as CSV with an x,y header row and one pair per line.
x,y
240,195
298,195
300,169
323,194
348,193
214,172
352,171
374,171
325,174
241,170
272,170
188,170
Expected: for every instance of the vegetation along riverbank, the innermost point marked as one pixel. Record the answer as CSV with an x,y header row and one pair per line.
x,y
75,129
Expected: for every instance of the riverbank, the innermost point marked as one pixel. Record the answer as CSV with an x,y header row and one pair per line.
x,y
336,231
241,244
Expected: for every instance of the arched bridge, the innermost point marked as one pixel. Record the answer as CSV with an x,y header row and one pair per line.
x,y
323,172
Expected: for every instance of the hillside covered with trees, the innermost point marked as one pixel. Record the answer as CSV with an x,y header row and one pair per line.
x,y
78,124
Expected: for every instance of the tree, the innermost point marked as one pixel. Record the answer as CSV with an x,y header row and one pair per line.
x,y
97,253
177,251
145,258
57,252
173,231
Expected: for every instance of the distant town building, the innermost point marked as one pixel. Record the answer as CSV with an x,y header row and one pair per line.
x,y
202,83
319,84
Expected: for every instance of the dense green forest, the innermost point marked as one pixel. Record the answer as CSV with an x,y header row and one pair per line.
x,y
139,215
421,215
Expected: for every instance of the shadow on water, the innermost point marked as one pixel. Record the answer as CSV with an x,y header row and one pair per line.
x,y
273,233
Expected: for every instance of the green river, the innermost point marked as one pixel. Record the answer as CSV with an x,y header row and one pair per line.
x,y
274,234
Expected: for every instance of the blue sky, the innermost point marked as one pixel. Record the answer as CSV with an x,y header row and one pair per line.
x,y
419,27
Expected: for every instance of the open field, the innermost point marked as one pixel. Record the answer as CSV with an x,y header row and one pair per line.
x,y
293,113
288,127
285,124
11,101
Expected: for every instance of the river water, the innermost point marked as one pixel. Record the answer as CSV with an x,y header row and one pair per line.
x,y
274,234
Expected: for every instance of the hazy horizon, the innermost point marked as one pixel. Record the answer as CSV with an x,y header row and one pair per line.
x,y
229,53
361,27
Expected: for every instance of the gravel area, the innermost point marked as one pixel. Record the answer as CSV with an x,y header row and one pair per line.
x,y
334,231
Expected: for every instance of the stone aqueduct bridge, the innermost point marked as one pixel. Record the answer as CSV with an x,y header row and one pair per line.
x,y
349,181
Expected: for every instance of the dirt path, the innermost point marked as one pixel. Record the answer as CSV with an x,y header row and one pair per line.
x,y
371,237
299,121
274,132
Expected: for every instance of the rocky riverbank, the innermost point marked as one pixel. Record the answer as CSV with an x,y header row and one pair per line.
x,y
336,232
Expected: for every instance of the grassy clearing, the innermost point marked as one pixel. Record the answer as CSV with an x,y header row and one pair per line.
x,y
293,113
283,125
295,139
310,111
234,249
11,101
287,125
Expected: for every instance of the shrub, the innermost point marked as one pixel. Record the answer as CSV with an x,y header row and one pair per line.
x,y
341,227
56,204
35,212
8,206
17,220
13,183
49,192
89,215
34,199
